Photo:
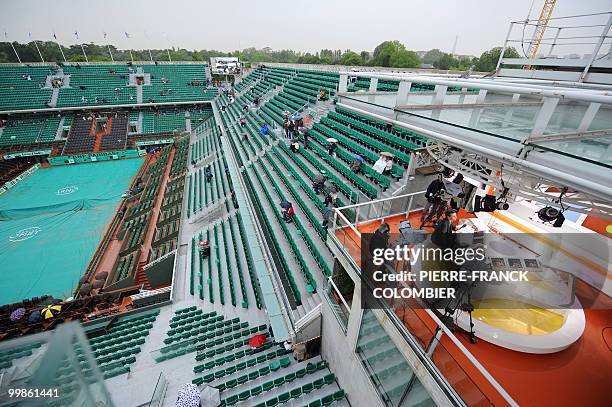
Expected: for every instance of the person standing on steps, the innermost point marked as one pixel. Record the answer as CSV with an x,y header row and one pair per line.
x,y
318,182
305,136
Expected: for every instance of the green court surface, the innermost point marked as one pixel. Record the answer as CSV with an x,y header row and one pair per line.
x,y
52,223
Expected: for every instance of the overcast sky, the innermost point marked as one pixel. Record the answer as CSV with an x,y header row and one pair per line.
x,y
304,25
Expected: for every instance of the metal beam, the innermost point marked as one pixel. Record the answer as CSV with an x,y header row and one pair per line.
x,y
603,36
588,117
604,97
602,192
586,135
543,118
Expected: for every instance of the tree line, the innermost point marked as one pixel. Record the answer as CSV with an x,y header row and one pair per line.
x,y
392,54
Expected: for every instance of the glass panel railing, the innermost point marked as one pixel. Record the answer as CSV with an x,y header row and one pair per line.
x,y
60,362
387,368
160,391
447,360
455,374
337,305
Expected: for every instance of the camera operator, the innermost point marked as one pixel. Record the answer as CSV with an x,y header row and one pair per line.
x,y
434,195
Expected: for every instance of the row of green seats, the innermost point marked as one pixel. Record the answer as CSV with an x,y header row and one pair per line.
x,y
237,256
239,355
271,367
193,255
407,134
205,325
347,157
311,283
349,213
237,343
228,264
216,337
395,141
347,142
120,337
120,346
342,186
296,86
286,270
210,322
185,310
360,183
190,313
118,363
218,264
115,372
364,139
249,261
311,217
118,355
269,385
326,400
298,97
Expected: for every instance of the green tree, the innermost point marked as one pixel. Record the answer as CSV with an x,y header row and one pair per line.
x,y
308,58
488,60
365,56
432,56
404,59
384,51
446,61
351,58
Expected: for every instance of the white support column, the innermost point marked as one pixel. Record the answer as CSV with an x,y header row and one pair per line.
x,y
474,117
373,84
593,57
342,86
402,93
482,94
544,115
440,92
588,117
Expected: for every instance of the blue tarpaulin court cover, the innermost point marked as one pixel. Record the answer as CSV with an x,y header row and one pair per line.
x,y
52,222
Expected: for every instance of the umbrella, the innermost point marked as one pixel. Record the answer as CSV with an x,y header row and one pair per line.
x,y
98,284
331,140
51,311
188,396
319,179
48,300
285,205
34,317
102,275
358,157
296,117
332,188
17,314
387,154
85,289
257,341
83,280
210,396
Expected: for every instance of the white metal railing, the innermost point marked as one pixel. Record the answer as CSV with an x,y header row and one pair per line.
x,y
390,207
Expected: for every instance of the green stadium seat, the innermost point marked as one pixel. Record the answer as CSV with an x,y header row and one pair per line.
x,y
283,398
307,388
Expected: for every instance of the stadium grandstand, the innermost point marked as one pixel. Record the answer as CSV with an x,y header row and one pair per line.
x,y
170,235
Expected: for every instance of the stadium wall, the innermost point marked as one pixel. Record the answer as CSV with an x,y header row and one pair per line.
x,y
94,157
